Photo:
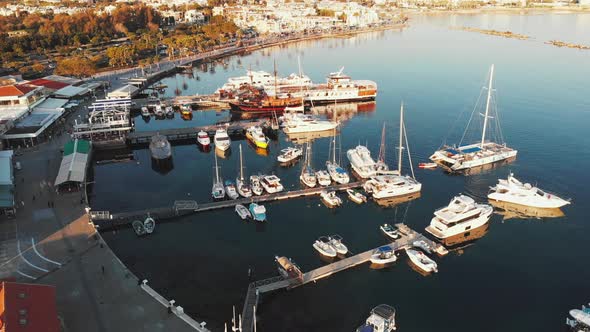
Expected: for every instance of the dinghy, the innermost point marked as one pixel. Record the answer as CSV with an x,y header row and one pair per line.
x,y
422,261
138,227
428,165
149,224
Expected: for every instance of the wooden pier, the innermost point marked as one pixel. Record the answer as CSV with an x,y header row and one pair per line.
x,y
407,237
177,134
105,220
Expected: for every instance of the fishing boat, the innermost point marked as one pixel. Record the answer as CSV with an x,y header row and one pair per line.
x,y
464,157
159,111
356,196
145,111
241,184
307,175
323,246
422,261
243,212
258,212
149,224
337,173
323,178
288,269
289,154
138,227
428,165
513,191
395,185
217,191
271,183
330,198
255,185
203,139
388,230
455,222
336,243
221,139
160,147
383,255
230,189
257,137
169,110
381,319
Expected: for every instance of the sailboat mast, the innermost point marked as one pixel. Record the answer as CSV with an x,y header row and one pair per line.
x,y
382,146
241,165
334,147
401,133
216,169
485,118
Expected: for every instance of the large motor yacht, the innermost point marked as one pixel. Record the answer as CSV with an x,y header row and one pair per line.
x,y
362,163
512,190
454,223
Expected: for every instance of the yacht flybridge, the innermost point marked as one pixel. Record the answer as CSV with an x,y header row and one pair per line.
x,y
477,154
513,191
363,164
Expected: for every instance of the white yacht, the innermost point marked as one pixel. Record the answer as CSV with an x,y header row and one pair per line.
x,y
243,212
323,178
389,231
395,185
271,183
513,191
337,173
289,154
330,198
255,185
382,319
221,139
217,191
169,110
362,163
296,123
383,255
454,223
231,190
580,319
422,261
241,184
324,247
307,175
159,110
477,154
203,139
336,243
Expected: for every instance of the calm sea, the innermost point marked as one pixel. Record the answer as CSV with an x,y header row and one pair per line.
x,y
523,275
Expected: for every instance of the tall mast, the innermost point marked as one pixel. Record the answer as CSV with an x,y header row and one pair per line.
x,y
334,147
382,147
241,165
216,169
401,133
485,118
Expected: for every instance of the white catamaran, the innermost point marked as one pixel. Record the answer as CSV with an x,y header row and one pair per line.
x,y
476,154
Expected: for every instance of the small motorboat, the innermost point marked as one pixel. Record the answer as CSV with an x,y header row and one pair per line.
x,y
382,319
330,198
388,230
203,139
288,269
185,110
428,165
324,247
258,212
289,154
356,196
159,110
243,212
323,177
138,227
231,190
169,110
145,111
336,243
255,185
383,255
308,177
149,224
257,137
422,261
421,244
271,183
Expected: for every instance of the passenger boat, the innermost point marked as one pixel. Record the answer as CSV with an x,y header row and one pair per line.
x,y
145,111
160,147
138,227
428,165
381,319
230,189
255,185
455,222
340,87
243,212
330,198
337,173
203,139
324,247
389,231
356,196
383,255
221,139
241,184
217,191
307,175
271,183
477,154
258,212
257,137
323,178
289,154
422,261
288,269
149,224
336,243
513,191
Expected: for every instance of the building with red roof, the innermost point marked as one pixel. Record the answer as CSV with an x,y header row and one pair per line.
x,y
49,84
28,308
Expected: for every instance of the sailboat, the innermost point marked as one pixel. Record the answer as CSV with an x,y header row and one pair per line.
x,y
218,191
337,173
241,184
307,174
476,154
394,185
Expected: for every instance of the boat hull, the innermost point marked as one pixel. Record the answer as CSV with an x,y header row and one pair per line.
x,y
456,239
541,203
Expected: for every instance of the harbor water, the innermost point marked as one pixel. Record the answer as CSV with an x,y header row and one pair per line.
x,y
524,274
